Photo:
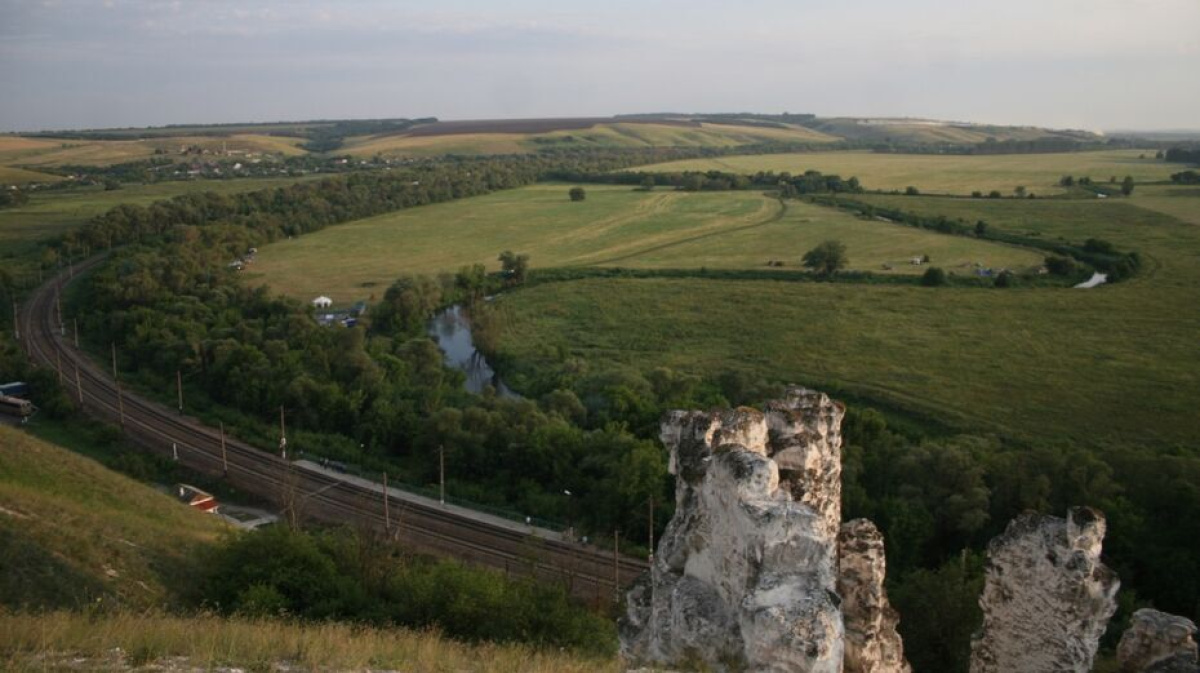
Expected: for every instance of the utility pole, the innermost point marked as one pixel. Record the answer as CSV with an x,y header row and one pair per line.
x,y
224,455
76,322
121,404
282,435
616,562
58,310
179,388
175,451
114,359
58,359
387,517
78,383
442,473
16,322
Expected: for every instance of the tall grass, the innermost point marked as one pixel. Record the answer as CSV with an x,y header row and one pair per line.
x,y
34,642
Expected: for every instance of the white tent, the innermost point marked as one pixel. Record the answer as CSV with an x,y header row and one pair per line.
x,y
322,302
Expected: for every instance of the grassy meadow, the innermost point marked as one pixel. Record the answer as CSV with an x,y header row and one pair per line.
x,y
615,226
614,135
1117,362
73,531
947,174
65,640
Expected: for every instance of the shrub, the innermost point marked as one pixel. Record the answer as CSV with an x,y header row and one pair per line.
x,y
577,194
934,277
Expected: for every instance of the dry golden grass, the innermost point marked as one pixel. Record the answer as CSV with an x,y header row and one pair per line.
x,y
35,642
20,176
47,152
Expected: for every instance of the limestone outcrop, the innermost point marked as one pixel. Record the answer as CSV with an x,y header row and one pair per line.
x,y
1047,597
1157,641
872,643
746,573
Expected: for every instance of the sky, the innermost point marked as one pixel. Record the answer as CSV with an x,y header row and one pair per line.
x,y
1086,64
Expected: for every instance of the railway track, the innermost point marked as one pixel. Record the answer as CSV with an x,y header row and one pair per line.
x,y
306,490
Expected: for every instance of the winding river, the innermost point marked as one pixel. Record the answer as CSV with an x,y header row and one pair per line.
x,y
452,331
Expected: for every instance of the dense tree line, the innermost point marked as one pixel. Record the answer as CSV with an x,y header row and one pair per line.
x,y
1183,155
13,197
788,185
356,577
1186,178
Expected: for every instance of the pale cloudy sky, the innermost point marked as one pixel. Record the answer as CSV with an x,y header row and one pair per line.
x,y
1095,64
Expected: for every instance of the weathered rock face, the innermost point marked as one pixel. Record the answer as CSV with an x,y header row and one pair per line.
x,y
746,572
1047,597
872,643
1157,641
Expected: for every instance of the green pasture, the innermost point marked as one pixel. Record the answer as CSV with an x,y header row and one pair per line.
x,y
10,175
944,173
1118,362
615,226
608,136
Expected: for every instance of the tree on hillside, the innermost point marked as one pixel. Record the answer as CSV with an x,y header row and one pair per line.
x,y
934,277
577,194
514,266
1019,190
1127,185
827,258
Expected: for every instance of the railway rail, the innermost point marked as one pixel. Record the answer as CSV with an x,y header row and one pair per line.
x,y
305,489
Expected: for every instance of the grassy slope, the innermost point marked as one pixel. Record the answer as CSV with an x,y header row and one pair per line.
x,y
615,226
50,213
601,135
947,174
50,152
72,530
10,175
41,642
1117,362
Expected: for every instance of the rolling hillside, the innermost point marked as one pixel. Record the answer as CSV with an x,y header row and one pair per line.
x,y
73,532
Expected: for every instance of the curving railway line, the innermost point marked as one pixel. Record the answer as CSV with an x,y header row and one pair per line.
x,y
306,489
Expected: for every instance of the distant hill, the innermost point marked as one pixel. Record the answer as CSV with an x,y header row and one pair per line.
x,y
72,531
25,158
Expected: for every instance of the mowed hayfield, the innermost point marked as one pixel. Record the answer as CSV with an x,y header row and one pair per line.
x,y
947,174
613,135
1116,363
50,213
18,151
614,226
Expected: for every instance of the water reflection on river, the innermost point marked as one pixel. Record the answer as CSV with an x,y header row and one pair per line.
x,y
452,331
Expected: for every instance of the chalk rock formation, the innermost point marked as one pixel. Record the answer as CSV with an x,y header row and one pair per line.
x,y
872,643
1157,641
746,572
1047,597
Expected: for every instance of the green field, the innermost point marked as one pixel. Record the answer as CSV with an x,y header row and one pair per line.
x,y
20,176
50,213
615,226
616,135
73,531
947,174
18,151
1118,362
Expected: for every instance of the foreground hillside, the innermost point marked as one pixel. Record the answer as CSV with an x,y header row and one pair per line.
x,y
73,532
74,641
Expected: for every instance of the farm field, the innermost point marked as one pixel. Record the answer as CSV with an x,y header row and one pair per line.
x,y
17,151
10,175
1034,363
615,226
1181,201
50,213
610,135
946,174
